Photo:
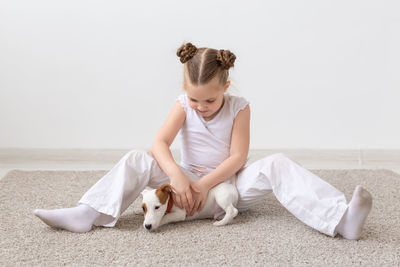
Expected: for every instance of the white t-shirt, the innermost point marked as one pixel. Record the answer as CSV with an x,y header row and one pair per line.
x,y
206,144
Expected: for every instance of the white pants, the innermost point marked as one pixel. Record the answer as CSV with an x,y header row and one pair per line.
x,y
308,197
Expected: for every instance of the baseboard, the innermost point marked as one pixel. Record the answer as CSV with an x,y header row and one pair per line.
x,y
13,155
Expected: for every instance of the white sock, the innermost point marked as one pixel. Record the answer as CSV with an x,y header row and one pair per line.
x,y
78,219
352,222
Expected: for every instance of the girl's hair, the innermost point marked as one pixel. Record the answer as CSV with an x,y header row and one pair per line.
x,y
203,64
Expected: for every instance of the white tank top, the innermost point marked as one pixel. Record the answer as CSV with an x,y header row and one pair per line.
x,y
206,144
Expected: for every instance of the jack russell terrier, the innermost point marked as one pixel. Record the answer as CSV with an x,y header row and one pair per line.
x,y
159,209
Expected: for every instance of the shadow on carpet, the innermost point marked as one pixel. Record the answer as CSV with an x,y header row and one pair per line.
x,y
265,235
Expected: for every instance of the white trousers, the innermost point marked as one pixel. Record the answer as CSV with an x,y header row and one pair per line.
x,y
309,198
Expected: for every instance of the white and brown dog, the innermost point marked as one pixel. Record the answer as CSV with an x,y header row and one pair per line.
x,y
158,207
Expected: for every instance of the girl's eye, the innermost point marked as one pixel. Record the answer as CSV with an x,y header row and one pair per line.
x,y
193,100
157,207
210,101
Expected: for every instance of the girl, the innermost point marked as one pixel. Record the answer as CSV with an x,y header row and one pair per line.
x,y
214,129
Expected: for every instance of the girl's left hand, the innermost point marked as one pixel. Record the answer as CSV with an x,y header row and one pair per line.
x,y
200,193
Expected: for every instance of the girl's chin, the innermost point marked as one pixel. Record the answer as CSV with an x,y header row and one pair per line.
x,y
207,115
204,114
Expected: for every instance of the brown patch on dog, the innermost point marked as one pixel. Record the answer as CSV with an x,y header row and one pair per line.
x,y
144,208
163,192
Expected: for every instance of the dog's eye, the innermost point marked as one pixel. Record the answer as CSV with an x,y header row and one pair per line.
x,y
157,207
144,209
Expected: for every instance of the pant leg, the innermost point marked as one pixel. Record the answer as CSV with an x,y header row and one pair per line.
x,y
309,198
115,191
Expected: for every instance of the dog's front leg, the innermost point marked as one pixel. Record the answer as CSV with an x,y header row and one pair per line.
x,y
173,217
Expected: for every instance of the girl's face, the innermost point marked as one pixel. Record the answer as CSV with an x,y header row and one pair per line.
x,y
207,99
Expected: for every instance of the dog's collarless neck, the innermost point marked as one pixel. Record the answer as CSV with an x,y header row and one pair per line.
x,y
170,203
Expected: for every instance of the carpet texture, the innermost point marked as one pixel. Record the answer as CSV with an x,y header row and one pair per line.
x,y
265,235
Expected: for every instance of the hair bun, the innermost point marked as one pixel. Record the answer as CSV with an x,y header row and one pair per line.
x,y
186,52
226,58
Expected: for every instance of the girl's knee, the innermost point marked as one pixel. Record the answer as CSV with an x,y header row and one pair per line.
x,y
136,155
279,155
277,158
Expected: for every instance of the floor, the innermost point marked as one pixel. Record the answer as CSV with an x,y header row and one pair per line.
x,y
51,159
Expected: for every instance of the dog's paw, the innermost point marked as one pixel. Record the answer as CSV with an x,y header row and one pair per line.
x,y
235,212
219,223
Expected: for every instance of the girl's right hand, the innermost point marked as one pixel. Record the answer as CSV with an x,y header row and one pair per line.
x,y
183,195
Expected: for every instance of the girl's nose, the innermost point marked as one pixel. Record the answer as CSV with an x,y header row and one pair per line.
x,y
201,108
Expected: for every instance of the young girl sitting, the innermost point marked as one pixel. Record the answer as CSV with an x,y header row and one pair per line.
x,y
215,135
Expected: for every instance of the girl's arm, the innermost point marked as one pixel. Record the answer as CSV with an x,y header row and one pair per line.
x,y
162,154
239,150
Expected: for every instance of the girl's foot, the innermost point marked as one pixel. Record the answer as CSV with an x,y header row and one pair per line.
x,y
79,219
352,222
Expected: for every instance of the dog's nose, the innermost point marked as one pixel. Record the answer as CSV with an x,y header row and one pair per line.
x,y
148,226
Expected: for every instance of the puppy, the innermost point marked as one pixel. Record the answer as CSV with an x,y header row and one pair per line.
x,y
158,207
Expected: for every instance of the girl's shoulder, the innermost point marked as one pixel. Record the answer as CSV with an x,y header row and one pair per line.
x,y
182,99
236,103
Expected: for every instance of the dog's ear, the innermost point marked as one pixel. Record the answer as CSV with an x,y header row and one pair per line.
x,y
166,188
163,192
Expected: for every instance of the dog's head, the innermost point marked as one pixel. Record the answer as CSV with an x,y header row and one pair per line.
x,y
154,205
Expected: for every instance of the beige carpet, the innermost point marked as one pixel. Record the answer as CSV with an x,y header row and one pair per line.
x,y
264,235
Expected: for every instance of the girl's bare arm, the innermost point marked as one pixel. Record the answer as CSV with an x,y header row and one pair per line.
x,y
162,154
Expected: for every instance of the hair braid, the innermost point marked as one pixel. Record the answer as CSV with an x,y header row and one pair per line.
x,y
225,58
186,52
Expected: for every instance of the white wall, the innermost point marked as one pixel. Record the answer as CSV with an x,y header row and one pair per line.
x,y
104,74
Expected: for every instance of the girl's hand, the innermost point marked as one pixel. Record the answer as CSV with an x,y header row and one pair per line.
x,y
183,193
200,195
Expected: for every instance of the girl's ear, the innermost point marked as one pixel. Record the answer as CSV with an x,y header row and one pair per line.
x,y
227,85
